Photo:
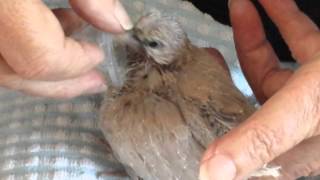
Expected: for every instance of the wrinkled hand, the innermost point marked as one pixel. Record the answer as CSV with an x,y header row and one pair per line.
x,y
286,128
38,58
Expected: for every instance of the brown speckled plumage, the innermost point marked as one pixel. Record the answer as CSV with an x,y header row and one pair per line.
x,y
175,101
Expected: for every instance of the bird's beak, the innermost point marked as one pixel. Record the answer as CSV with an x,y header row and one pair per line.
x,y
130,31
134,34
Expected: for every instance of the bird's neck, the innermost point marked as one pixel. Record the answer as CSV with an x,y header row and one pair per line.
x,y
150,77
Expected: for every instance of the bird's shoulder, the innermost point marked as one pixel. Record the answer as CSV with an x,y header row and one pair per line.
x,y
202,76
208,84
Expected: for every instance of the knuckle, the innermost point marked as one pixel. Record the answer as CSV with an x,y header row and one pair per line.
x,y
35,70
264,142
308,83
12,83
303,170
299,50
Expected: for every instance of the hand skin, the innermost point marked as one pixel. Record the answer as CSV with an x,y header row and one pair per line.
x,y
37,56
285,130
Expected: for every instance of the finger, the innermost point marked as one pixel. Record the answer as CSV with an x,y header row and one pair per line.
x,y
107,15
69,20
257,58
303,160
271,131
89,83
37,53
300,33
92,82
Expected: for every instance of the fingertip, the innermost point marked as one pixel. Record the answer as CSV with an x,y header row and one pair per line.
x,y
215,165
106,15
218,167
92,82
122,16
97,83
203,175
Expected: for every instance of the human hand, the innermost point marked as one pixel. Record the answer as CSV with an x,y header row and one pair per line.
x,y
37,56
286,128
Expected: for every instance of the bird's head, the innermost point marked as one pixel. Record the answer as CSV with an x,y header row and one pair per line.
x,y
162,37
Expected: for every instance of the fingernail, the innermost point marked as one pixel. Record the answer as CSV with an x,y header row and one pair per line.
x,y
98,89
122,16
217,168
204,172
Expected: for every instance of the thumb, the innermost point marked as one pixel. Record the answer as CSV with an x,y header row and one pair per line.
x,y
107,15
286,119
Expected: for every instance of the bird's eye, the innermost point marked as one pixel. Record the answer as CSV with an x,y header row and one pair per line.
x,y
153,44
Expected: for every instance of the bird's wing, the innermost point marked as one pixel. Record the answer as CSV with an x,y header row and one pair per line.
x,y
210,102
149,136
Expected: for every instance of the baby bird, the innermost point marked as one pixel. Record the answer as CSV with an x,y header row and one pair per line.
x,y
175,101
